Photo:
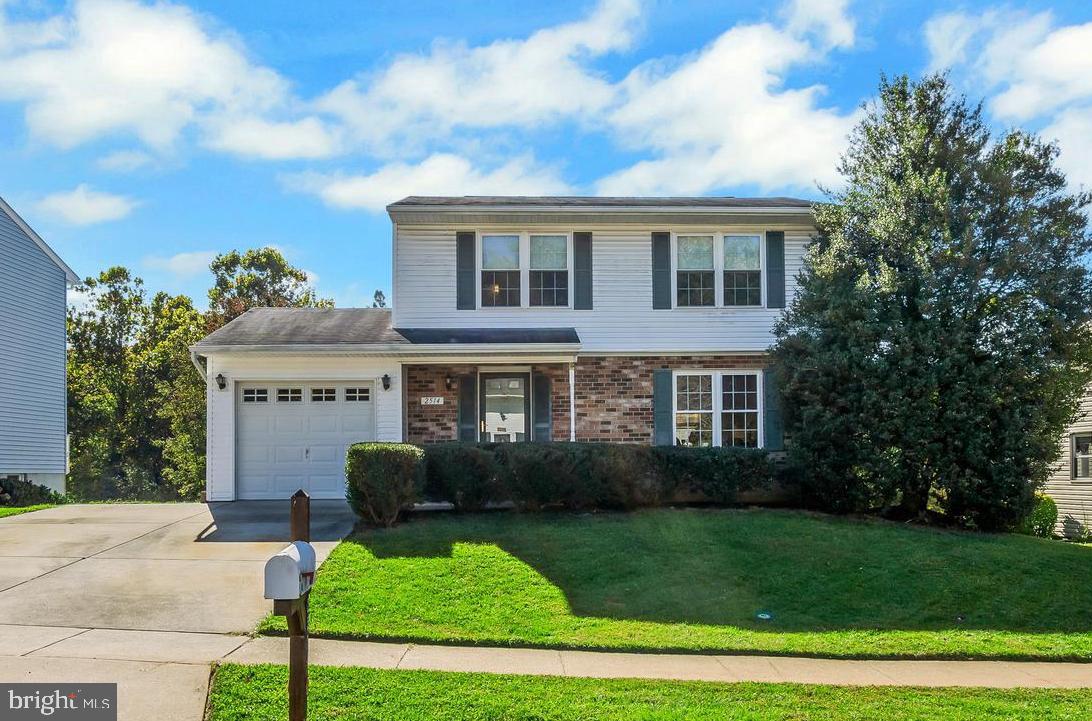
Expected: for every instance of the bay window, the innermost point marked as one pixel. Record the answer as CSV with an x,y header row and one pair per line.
x,y
718,408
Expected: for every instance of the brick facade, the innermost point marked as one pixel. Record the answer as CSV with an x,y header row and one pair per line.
x,y
613,395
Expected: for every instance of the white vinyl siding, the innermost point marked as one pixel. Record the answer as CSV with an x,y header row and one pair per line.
x,y
623,319
32,356
1073,495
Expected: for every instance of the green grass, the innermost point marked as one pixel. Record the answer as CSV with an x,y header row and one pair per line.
x,y
695,580
16,510
257,693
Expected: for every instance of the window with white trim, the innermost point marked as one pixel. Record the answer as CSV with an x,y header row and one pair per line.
x,y
323,395
695,277
500,271
718,408
742,270
722,270
358,395
1081,445
255,395
289,395
549,273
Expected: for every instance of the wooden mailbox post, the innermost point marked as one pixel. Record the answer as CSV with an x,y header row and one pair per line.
x,y
288,579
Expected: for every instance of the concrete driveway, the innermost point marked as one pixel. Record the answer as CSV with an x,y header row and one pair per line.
x,y
142,594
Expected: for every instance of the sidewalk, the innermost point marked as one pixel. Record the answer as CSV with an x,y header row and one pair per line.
x,y
776,669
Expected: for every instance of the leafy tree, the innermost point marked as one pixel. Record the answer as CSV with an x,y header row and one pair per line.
x,y
257,278
379,300
938,343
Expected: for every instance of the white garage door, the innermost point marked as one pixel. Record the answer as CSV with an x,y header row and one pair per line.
x,y
294,435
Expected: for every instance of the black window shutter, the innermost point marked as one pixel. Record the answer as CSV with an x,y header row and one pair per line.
x,y
772,427
540,399
661,270
663,433
582,271
775,269
468,407
465,293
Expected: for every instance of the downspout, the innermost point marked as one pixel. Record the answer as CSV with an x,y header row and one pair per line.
x,y
572,402
197,364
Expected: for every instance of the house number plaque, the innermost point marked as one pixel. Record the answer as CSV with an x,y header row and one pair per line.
x,y
432,400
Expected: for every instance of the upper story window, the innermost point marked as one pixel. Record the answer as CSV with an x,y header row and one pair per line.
x,y
500,270
695,275
1082,456
549,273
718,270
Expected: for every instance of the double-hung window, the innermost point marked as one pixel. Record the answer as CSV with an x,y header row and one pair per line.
x,y
549,281
718,408
500,271
742,270
695,275
1081,444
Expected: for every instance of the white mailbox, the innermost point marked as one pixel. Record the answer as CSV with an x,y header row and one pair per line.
x,y
290,573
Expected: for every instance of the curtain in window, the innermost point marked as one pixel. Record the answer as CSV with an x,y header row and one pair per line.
x,y
695,252
548,252
741,252
500,252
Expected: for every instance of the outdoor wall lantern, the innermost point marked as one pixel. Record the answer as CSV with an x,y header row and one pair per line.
x,y
386,381
221,382
449,382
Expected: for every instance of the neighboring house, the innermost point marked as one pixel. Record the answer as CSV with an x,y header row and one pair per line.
x,y
1070,484
33,399
642,320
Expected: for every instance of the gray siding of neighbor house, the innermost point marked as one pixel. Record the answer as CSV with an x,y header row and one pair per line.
x,y
1074,497
32,356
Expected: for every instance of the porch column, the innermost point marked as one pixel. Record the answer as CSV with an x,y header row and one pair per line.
x,y
572,401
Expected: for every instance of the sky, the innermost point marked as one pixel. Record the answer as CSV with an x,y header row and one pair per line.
x,y
156,135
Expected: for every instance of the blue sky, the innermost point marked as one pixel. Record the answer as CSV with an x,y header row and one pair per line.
x,y
156,135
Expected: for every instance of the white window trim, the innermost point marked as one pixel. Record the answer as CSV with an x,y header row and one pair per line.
x,y
718,399
718,269
1073,457
524,268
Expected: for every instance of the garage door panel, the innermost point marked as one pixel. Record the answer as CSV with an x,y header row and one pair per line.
x,y
285,446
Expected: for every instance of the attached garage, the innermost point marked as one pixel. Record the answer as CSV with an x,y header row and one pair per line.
x,y
294,434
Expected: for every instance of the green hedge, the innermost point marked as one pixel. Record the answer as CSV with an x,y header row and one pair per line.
x,y
385,478
1042,519
14,492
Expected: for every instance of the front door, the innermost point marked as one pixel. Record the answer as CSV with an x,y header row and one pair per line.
x,y
504,407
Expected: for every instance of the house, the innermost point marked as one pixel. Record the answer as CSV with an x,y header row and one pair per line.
x,y
33,398
637,320
1070,482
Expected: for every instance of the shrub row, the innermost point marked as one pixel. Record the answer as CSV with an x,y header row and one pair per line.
x,y
14,492
383,479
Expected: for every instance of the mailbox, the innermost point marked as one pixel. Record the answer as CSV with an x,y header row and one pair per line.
x,y
290,573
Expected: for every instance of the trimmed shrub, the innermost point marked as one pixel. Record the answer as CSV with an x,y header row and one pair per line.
x,y
383,479
15,492
1042,519
717,473
537,475
622,476
464,474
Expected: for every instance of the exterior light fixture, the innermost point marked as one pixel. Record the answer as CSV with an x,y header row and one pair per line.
x,y
386,381
221,382
449,382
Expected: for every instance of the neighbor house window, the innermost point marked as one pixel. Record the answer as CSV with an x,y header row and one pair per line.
x,y
500,271
694,410
355,395
549,279
717,408
289,395
1082,455
323,395
742,270
695,276
255,395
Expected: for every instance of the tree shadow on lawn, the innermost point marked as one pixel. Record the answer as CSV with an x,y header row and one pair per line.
x,y
725,567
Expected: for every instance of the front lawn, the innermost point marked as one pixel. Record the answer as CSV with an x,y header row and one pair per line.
x,y
16,510
256,693
698,580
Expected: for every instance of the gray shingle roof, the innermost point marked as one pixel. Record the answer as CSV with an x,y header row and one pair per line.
x,y
415,201
362,326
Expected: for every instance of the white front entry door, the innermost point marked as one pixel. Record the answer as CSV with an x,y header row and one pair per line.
x,y
291,435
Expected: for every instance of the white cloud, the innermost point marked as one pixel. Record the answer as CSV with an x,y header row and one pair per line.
x,y
1072,129
724,117
439,174
182,265
122,67
523,82
84,206
258,138
947,37
124,161
828,19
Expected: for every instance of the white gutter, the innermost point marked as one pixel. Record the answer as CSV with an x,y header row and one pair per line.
x,y
198,366
774,210
399,349
572,401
